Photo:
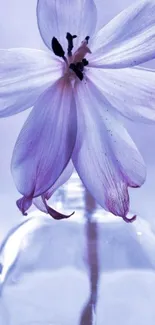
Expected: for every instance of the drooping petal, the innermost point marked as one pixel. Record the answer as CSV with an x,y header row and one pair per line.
x,y
45,144
56,18
24,75
131,91
40,205
64,177
105,156
25,203
40,202
129,39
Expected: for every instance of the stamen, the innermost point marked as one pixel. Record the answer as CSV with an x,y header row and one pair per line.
x,y
87,38
70,38
85,62
78,73
57,48
80,66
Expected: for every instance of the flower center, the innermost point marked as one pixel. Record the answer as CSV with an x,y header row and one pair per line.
x,y
76,62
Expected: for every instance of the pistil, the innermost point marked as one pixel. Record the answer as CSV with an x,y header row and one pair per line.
x,y
77,61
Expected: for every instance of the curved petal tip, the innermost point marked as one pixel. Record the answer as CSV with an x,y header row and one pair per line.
x,y
127,220
57,215
24,204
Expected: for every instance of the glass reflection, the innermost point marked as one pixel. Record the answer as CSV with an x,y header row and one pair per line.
x,y
65,273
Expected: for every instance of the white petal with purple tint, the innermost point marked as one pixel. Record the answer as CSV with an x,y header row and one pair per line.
x,y
131,91
40,201
129,39
40,204
45,144
105,156
24,75
56,18
63,178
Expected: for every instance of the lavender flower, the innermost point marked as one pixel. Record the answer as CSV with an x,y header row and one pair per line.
x,y
78,89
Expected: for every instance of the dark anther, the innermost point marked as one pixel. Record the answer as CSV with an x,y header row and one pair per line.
x,y
78,73
87,38
80,66
70,38
57,48
85,62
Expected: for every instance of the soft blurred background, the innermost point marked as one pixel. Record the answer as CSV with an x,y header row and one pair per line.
x,y
79,271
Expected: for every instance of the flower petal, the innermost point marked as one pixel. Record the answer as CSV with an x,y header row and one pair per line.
x,y
45,144
56,18
40,201
63,178
24,75
105,156
131,91
129,39
25,203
